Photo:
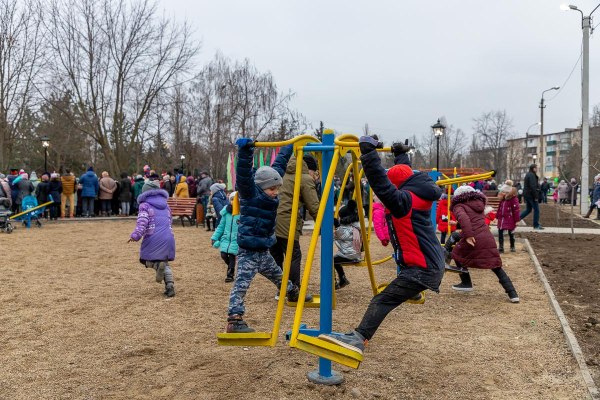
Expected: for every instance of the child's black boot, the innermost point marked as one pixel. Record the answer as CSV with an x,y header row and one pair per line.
x,y
465,284
236,324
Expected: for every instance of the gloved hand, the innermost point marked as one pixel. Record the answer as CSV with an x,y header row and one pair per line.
x,y
368,144
244,143
401,148
385,242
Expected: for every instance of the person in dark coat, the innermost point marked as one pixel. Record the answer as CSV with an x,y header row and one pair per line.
x,y
544,187
42,190
531,194
125,194
477,247
192,189
595,198
55,190
408,198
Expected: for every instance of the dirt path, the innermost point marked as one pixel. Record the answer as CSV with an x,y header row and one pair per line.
x,y
81,318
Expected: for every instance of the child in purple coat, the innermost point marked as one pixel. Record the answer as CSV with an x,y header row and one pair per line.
x,y
154,225
508,215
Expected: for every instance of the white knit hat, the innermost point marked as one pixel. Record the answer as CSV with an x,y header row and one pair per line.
x,y
463,189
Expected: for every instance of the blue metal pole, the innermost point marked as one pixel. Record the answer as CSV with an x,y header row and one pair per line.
x,y
325,323
435,175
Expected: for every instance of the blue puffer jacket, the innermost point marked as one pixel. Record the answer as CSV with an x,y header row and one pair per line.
x,y
89,184
257,210
596,193
225,236
219,201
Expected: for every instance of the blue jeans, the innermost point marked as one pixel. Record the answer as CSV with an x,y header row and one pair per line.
x,y
532,204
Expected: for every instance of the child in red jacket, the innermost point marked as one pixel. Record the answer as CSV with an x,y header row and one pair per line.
x,y
442,220
408,198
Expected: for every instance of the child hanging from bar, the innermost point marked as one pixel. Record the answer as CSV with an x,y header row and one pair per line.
x,y
257,192
408,198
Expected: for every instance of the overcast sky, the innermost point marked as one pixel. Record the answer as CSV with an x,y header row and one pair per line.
x,y
400,65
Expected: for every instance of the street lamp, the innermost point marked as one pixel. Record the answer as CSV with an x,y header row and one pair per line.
x,y
542,106
182,156
586,23
45,143
411,154
438,132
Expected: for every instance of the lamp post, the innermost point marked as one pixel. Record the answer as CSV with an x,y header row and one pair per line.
x,y
586,26
182,156
45,143
438,131
542,152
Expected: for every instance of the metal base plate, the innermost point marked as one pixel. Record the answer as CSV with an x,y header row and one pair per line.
x,y
336,378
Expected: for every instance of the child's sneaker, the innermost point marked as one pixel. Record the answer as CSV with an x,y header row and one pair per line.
x,y
294,294
160,271
513,250
344,282
514,297
463,287
229,279
352,341
236,324
170,290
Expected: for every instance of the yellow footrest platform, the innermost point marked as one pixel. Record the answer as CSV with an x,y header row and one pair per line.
x,y
315,303
330,351
244,339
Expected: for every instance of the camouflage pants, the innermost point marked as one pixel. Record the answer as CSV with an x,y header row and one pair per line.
x,y
249,263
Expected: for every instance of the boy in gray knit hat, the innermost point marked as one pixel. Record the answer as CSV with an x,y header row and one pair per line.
x,y
257,192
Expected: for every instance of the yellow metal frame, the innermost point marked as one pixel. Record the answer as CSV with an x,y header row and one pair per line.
x,y
30,210
270,338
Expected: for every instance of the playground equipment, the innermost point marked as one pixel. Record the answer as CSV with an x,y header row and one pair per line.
x,y
330,151
31,211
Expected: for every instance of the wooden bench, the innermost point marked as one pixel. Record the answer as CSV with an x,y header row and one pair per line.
x,y
183,207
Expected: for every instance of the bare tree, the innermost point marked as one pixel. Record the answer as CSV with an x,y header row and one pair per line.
x,y
21,56
491,131
116,57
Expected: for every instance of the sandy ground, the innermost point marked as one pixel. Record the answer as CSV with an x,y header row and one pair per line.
x,y
81,318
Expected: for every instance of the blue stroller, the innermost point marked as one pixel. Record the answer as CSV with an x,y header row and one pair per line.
x,y
31,211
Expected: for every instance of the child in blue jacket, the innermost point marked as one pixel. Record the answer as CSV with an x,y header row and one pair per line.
x,y
257,192
225,237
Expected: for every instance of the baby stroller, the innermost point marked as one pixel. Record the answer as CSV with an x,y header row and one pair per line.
x,y
31,211
5,224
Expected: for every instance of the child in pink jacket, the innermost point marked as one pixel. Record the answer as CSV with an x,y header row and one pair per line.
x,y
379,223
508,215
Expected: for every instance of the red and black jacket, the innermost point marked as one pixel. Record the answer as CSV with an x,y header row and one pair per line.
x,y
408,211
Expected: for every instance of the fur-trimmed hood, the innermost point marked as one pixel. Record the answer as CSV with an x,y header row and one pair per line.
x,y
474,200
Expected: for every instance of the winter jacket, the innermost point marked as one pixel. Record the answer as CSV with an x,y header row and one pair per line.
x,y
89,184
125,192
55,189
441,217
181,190
154,225
68,184
219,201
107,187
203,188
25,188
508,211
596,193
137,188
408,212
192,189
258,211
564,190
41,192
531,186
379,223
308,198
468,208
225,235
5,192
348,241
169,187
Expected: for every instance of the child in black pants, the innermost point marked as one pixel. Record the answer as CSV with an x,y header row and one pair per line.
x,y
408,198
